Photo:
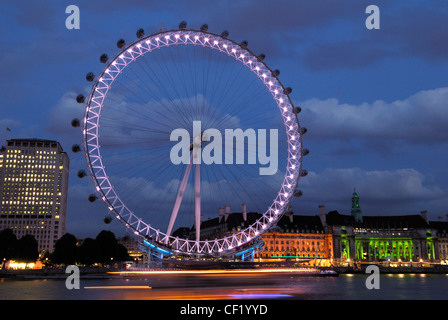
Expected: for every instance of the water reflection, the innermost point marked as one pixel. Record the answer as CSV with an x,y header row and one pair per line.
x,y
229,287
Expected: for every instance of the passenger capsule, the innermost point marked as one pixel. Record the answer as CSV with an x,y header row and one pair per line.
x,y
261,57
225,34
183,25
107,219
140,33
121,43
76,148
90,77
81,173
303,173
303,130
104,57
92,197
305,152
298,193
204,27
243,44
80,98
76,123
297,110
287,91
275,73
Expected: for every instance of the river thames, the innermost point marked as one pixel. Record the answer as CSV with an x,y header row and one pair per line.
x,y
235,286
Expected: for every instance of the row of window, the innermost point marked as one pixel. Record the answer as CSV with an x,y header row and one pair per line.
x,y
295,250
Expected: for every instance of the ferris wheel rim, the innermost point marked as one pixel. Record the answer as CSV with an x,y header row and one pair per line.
x,y
104,187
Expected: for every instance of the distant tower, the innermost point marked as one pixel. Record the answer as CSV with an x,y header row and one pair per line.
x,y
356,209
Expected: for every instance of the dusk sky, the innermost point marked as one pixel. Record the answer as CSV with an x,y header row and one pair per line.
x,y
375,102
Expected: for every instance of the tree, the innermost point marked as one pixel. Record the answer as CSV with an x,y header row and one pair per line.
x,y
107,244
121,253
8,244
27,249
65,250
88,252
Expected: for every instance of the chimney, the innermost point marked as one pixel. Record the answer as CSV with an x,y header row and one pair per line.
x,y
227,213
244,212
424,215
221,214
322,215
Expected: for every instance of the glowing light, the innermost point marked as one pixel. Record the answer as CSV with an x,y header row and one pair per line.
x,y
120,287
260,295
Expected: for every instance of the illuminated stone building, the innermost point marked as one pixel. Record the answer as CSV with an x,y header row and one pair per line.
x,y
441,228
379,238
33,190
298,238
294,238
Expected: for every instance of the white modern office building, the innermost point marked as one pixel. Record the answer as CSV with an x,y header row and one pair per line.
x,y
33,190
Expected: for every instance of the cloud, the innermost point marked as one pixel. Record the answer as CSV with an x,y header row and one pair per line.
x,y
418,31
9,123
419,119
345,54
411,31
382,192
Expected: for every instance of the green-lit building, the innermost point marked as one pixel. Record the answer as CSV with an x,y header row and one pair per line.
x,y
377,238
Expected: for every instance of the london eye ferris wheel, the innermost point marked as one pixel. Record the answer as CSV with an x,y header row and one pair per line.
x,y
204,85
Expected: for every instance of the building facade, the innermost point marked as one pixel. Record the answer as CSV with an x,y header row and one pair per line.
x,y
382,238
33,190
298,238
441,229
